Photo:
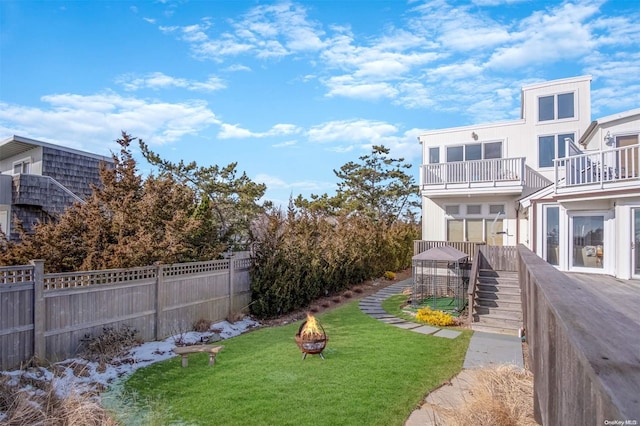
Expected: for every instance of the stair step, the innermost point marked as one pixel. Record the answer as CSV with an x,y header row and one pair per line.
x,y
495,303
490,329
492,295
495,320
499,312
498,288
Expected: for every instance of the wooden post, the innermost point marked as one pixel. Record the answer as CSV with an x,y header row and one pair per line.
x,y
159,300
231,286
39,310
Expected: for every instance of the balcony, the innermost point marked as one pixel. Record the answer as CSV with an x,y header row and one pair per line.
x,y
500,175
616,168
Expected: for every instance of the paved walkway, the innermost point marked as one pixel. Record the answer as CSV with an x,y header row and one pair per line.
x,y
485,350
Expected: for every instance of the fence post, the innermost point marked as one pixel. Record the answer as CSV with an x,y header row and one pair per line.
x,y
231,286
39,310
159,300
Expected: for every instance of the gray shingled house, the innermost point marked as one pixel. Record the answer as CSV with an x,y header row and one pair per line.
x,y
38,180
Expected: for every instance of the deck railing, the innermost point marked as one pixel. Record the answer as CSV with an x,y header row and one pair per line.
x,y
614,165
464,246
475,171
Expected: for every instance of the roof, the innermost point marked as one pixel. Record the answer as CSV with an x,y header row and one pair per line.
x,y
444,253
15,145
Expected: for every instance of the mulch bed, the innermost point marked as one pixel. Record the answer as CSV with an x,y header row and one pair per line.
x,y
357,291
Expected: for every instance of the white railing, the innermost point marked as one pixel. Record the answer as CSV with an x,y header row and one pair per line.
x,y
476,171
614,165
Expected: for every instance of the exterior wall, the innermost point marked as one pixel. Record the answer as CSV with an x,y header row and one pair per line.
x,y
434,217
520,137
76,172
57,177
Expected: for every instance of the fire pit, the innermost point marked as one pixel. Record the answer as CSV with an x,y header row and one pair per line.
x,y
311,338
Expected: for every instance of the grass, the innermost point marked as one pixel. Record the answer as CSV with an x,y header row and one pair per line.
x,y
374,374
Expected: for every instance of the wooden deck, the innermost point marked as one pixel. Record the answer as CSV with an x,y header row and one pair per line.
x,y
583,341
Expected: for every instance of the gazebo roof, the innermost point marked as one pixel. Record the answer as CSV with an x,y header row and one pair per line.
x,y
444,253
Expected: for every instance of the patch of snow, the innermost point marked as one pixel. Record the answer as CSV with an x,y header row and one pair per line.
x,y
76,375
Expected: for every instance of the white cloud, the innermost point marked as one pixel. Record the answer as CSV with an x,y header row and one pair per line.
x,y
351,131
92,120
233,131
285,144
274,182
158,80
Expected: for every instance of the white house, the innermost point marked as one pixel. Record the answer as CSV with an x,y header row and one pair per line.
x,y
554,180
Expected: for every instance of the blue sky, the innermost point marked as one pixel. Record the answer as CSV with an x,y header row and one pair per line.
x,y
293,90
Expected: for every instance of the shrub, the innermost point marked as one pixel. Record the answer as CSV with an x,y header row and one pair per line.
x,y
202,325
347,294
110,344
336,299
438,318
390,275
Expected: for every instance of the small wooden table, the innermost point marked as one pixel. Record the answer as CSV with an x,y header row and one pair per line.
x,y
184,351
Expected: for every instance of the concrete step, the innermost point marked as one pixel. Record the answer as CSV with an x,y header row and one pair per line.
x,y
500,312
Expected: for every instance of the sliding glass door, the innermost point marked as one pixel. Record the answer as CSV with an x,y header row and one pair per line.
x,y
588,241
635,246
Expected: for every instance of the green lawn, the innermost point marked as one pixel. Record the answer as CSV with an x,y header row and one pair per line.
x,y
374,374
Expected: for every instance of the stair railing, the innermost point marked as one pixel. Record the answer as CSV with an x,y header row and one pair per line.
x,y
473,277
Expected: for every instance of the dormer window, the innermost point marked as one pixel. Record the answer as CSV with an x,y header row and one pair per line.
x,y
556,107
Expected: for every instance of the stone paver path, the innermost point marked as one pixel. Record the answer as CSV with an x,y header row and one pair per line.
x,y
485,350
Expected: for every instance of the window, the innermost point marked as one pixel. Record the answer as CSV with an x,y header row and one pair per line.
x,y
496,209
493,150
553,147
475,151
451,210
23,167
470,227
455,229
556,107
552,232
455,153
434,155
474,209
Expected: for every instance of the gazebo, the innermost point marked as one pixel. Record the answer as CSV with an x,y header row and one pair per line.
x,y
440,279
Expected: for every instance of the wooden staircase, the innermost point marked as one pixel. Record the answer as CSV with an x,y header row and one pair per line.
x,y
497,306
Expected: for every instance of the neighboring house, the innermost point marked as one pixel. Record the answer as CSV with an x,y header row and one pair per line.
x,y
38,180
563,185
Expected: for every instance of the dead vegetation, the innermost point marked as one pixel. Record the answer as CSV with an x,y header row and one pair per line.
x,y
19,407
501,396
108,345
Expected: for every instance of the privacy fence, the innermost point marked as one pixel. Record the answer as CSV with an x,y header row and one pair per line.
x,y
49,315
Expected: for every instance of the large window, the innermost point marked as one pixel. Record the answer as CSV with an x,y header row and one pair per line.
x,y
474,151
553,147
556,107
470,227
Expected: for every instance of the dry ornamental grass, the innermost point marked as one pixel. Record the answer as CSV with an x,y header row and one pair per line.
x,y
502,396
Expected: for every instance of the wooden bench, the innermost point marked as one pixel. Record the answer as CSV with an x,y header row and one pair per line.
x,y
184,351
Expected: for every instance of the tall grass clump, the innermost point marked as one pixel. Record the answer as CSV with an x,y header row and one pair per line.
x,y
302,255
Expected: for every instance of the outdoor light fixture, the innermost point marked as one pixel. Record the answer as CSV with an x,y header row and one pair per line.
x,y
474,135
608,138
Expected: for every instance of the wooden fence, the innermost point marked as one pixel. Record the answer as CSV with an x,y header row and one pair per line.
x,y
582,350
49,315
